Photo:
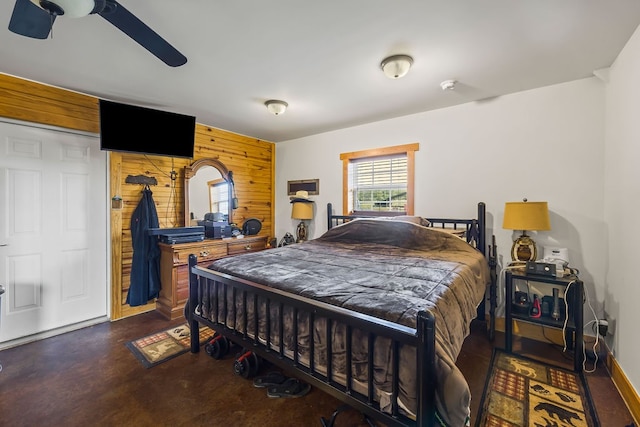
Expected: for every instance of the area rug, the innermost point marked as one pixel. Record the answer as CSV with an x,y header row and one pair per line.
x,y
164,345
523,392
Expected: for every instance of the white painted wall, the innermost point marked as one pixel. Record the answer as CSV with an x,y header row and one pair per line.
x,y
544,144
622,204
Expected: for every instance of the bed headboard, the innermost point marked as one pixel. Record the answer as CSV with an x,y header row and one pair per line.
x,y
475,233
474,228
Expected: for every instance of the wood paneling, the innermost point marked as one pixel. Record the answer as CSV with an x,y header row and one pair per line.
x,y
251,160
626,389
34,102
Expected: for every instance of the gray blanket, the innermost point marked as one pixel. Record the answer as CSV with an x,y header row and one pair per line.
x,y
390,270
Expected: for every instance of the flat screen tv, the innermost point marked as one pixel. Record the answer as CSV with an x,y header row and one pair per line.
x,y
134,129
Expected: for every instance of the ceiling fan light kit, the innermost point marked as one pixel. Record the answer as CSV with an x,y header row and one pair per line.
x,y
70,8
276,107
35,19
396,66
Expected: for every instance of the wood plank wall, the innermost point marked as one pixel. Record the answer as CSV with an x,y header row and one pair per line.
x,y
251,160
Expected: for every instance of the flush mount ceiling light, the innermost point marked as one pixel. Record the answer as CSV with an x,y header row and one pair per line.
x,y
448,84
396,66
276,107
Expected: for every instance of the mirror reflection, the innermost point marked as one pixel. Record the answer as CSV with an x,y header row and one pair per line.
x,y
207,192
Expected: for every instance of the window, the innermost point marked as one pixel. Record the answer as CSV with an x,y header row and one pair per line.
x,y
378,184
219,195
379,181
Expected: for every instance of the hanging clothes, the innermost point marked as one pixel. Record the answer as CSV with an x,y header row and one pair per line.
x,y
145,264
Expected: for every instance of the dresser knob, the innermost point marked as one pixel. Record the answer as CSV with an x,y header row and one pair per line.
x,y
204,253
248,247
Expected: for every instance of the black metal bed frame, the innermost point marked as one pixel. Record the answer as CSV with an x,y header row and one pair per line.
x,y
205,284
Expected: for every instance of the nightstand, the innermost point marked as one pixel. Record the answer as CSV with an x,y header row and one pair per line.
x,y
569,285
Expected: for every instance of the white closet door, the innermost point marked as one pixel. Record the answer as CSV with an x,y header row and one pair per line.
x,y
53,229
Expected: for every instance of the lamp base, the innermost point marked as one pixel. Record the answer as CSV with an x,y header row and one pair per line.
x,y
524,249
301,232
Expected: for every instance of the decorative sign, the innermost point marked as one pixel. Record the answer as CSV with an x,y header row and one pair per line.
x,y
311,186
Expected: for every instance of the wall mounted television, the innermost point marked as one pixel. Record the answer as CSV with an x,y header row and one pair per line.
x,y
134,129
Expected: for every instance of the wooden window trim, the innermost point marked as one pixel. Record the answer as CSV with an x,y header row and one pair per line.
x,y
408,149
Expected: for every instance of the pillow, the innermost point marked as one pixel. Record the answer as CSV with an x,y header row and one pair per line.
x,y
415,219
460,232
406,218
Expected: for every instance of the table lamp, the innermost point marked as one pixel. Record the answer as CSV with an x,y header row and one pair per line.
x,y
525,216
302,209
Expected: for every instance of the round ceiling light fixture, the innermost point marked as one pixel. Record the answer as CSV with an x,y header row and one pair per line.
x,y
276,107
396,66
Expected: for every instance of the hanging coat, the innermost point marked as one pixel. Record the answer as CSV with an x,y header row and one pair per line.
x,y
145,264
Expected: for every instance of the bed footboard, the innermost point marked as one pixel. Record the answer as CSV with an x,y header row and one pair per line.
x,y
271,323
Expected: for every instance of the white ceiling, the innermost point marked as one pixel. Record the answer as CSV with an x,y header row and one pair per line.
x,y
323,57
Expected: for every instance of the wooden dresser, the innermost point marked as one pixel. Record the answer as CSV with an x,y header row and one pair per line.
x,y
174,268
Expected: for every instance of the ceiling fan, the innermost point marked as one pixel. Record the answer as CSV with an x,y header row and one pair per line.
x,y
35,18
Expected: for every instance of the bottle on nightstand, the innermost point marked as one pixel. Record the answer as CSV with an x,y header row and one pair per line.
x,y
555,313
535,307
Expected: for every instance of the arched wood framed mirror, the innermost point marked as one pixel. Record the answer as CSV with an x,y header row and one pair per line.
x,y
207,188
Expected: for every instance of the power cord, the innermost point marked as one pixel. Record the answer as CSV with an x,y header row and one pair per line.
x,y
554,345
591,322
173,175
566,316
562,348
595,343
172,201
502,277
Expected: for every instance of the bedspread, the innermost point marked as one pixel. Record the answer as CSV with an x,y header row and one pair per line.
x,y
390,270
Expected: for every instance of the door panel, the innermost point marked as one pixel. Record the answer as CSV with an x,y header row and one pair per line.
x,y
23,202
24,280
53,205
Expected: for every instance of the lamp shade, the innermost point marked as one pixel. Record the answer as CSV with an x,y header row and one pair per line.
x,y
526,216
302,210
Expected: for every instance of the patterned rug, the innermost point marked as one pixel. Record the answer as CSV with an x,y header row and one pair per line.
x,y
162,346
523,392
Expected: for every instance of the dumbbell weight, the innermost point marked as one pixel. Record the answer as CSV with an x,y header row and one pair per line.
x,y
217,347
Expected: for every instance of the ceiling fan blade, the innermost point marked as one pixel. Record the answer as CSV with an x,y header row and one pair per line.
x,y
141,33
29,20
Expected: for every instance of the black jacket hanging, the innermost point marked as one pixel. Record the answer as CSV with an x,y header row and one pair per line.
x,y
145,264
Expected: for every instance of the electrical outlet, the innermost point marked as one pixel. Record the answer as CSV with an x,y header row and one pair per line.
x,y
603,326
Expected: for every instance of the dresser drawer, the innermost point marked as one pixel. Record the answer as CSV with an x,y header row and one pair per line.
x,y
174,272
204,252
242,246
